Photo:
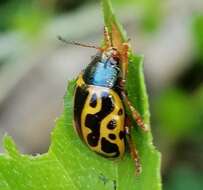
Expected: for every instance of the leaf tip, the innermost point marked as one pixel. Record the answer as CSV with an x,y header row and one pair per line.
x,y
107,10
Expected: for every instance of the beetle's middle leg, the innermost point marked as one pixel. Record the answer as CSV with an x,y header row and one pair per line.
x,y
135,114
132,147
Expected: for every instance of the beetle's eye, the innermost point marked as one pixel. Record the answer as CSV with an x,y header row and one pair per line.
x,y
116,59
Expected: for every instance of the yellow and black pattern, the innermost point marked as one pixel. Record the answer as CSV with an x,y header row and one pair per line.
x,y
99,119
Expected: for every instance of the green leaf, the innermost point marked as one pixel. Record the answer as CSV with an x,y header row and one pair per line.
x,y
110,18
69,164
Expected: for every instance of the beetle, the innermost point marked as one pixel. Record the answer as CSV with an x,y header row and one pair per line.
x,y
101,101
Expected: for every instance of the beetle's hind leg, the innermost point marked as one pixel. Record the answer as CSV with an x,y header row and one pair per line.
x,y
132,147
135,114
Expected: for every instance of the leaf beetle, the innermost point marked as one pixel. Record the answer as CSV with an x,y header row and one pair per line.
x,y
100,101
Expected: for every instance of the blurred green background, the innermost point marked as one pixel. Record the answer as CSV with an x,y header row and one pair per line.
x,y
35,68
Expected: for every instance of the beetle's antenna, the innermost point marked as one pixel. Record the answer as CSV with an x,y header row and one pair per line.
x,y
77,43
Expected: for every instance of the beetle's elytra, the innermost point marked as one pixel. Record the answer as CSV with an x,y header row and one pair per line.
x,y
100,102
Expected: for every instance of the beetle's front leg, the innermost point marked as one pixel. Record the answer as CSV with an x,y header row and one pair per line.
x,y
135,114
132,147
107,38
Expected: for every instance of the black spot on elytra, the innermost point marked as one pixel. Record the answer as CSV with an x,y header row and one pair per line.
x,y
93,100
93,121
109,147
107,103
112,124
112,136
92,139
121,135
120,112
80,97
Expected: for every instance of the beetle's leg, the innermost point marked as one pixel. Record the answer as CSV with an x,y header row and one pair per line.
x,y
107,38
135,114
132,147
124,59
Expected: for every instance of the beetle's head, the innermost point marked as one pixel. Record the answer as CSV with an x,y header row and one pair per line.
x,y
112,55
